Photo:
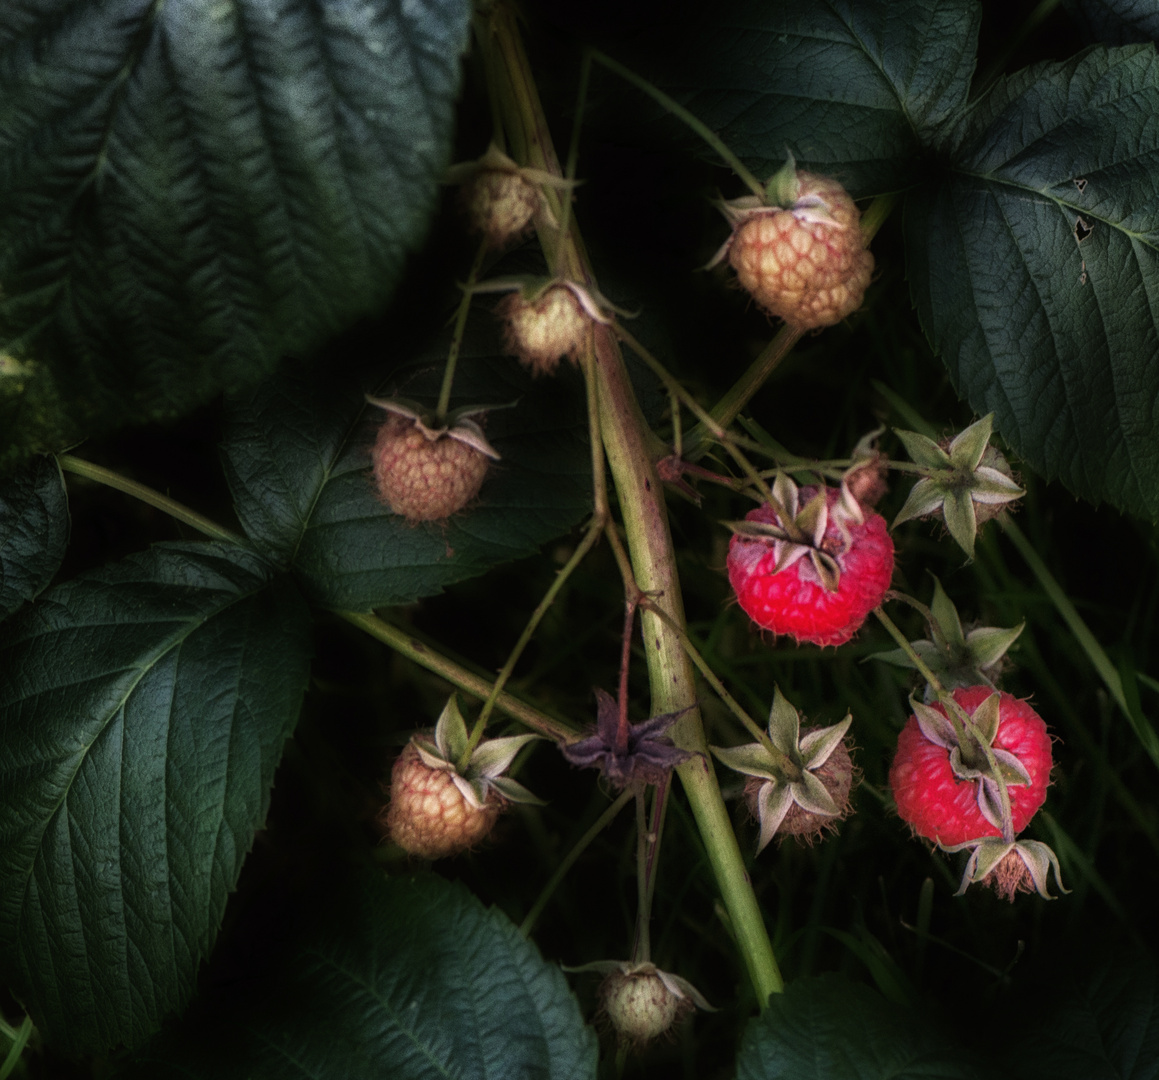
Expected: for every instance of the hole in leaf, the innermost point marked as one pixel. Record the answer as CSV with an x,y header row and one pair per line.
x,y
1081,230
1080,182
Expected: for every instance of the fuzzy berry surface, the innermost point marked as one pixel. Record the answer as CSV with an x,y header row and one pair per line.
x,y
500,205
795,601
811,274
540,332
944,808
427,815
838,775
424,479
639,1006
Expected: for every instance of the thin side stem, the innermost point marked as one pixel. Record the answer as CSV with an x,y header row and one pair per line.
x,y
729,407
642,946
80,467
573,147
457,337
602,822
694,122
467,681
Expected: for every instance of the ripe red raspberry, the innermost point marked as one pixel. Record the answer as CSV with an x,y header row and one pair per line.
x,y
795,600
806,263
944,807
421,477
428,816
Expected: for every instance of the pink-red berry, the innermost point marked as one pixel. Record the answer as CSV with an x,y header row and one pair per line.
x,y
795,600
944,807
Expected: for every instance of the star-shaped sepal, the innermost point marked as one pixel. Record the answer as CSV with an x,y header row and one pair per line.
x,y
957,657
459,424
802,780
627,753
485,766
782,192
1010,867
799,531
969,756
966,481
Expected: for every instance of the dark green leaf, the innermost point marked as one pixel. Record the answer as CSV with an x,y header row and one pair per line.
x,y
406,978
1051,328
143,709
188,191
831,1029
853,88
1102,1026
33,531
297,456
1116,22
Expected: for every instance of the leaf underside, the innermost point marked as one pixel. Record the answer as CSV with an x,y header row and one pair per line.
x,y
144,708
405,977
190,190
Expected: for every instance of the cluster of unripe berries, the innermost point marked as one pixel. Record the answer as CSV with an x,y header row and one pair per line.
x,y
811,562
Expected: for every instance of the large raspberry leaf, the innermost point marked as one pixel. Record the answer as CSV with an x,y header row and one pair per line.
x,y
410,978
1034,265
854,88
144,708
190,190
831,1029
297,457
33,531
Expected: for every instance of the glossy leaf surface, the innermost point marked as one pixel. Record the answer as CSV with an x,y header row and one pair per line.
x,y
143,710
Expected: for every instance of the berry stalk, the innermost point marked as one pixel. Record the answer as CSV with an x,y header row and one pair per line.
x,y
626,441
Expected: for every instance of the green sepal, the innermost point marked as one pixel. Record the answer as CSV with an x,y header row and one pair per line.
x,y
926,497
945,615
810,794
968,446
961,521
773,802
988,644
817,746
785,727
751,759
923,451
986,718
451,736
783,188
515,792
492,756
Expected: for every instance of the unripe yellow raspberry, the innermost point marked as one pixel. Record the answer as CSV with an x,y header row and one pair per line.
x,y
806,263
539,332
428,816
